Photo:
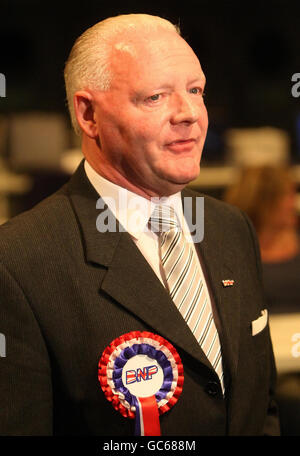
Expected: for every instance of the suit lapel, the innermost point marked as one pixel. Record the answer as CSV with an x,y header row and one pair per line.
x,y
131,282
129,279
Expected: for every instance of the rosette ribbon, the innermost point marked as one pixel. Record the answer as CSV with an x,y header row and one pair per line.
x,y
141,374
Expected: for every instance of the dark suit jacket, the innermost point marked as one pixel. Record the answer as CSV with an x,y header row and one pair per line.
x,y
66,291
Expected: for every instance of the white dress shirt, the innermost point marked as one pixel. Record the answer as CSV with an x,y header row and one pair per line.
x,y
133,212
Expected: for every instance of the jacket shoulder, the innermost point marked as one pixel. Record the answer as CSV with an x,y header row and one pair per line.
x,y
34,231
228,223
217,208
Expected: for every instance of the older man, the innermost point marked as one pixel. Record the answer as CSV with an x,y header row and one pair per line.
x,y
70,287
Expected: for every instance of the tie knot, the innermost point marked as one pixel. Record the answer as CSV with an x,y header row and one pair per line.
x,y
163,219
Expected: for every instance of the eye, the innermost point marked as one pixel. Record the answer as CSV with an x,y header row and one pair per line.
x,y
196,91
154,98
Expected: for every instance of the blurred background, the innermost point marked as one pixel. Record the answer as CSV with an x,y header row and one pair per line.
x,y
249,52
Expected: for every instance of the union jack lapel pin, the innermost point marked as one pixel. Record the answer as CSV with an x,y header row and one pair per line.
x,y
228,283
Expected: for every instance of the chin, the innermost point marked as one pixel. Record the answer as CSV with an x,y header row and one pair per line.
x,y
187,177
175,180
174,185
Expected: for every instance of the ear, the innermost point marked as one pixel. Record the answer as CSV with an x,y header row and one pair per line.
x,y
83,105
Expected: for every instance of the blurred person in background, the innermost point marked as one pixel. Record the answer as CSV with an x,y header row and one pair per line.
x,y
268,196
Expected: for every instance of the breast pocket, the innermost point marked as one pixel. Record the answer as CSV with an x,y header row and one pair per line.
x,y
260,341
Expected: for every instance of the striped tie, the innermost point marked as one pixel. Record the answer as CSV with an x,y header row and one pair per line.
x,y
186,287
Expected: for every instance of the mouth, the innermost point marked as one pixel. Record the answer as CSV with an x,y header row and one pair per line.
x,y
181,145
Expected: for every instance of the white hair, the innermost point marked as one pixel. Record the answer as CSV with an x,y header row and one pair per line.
x,y
88,65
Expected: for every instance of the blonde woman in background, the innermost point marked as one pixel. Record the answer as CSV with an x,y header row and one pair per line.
x,y
268,195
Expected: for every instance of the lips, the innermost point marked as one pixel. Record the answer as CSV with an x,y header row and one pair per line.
x,y
180,145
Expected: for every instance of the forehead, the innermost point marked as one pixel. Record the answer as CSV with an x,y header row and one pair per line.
x,y
147,58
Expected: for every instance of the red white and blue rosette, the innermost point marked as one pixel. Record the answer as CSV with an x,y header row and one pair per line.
x,y
141,374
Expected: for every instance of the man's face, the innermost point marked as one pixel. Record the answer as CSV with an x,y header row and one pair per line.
x,y
152,122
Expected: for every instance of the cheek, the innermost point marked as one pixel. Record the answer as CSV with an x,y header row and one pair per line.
x,y
203,120
110,139
119,136
143,135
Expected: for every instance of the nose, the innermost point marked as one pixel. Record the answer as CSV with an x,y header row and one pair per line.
x,y
186,108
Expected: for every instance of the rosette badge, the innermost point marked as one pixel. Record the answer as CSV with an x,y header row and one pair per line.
x,y
141,374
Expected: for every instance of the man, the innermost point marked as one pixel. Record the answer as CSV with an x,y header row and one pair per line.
x,y
69,287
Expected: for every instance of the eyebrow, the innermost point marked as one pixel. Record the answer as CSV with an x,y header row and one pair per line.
x,y
140,93
201,78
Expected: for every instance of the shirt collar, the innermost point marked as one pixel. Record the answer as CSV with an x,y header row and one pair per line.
x,y
131,210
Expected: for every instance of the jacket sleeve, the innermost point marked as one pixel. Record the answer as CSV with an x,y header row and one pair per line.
x,y
272,425
25,375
